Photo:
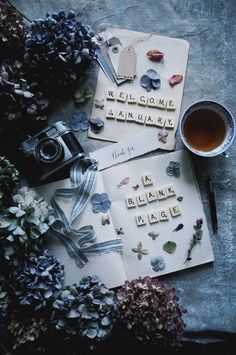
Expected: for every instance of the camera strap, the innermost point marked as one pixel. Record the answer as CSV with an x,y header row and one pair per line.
x,y
81,186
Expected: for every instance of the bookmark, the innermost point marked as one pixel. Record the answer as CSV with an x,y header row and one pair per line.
x,y
127,64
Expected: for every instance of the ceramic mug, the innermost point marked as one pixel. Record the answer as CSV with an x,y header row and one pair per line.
x,y
207,128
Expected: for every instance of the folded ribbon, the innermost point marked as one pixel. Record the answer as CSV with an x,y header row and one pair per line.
x,y
82,185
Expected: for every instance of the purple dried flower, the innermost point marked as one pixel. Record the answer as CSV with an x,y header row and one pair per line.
x,y
149,310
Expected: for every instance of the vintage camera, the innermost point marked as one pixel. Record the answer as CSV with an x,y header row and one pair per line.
x,y
50,150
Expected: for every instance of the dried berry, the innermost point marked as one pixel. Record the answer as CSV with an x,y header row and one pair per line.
x,y
175,79
155,55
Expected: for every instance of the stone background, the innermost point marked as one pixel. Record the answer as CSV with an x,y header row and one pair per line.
x,y
208,292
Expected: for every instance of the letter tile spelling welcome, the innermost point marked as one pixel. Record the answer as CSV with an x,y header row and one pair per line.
x,y
151,119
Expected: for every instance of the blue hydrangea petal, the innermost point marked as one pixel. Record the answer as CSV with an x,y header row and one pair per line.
x,y
96,198
104,197
105,206
97,208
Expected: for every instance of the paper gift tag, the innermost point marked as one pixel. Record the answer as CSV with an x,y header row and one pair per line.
x,y
127,63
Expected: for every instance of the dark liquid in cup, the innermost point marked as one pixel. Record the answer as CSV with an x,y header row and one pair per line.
x,y
204,130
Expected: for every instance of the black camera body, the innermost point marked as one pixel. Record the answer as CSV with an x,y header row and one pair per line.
x,y
50,150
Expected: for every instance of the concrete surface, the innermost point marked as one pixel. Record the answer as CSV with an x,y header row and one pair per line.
x,y
207,292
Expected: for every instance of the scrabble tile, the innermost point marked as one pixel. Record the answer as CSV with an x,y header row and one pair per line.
x,y
163,214
147,179
171,190
161,104
142,101
110,113
170,123
130,116
141,199
140,118
151,196
170,105
121,96
111,95
161,193
152,102
150,120
131,202
160,121
121,115
153,217
175,210
141,219
132,99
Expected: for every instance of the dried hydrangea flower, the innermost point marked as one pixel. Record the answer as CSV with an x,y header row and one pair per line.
x,y
79,122
9,177
173,169
140,251
148,311
86,309
155,55
82,96
175,79
96,124
100,202
162,136
158,263
150,80
4,297
37,279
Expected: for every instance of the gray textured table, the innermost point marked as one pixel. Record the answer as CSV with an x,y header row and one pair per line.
x,y
208,292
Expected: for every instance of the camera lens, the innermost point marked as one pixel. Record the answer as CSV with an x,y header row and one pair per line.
x,y
49,150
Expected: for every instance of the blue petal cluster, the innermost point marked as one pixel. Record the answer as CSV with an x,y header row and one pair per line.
x,y
100,202
86,309
38,279
158,263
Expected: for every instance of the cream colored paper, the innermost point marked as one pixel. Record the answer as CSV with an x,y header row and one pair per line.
x,y
175,62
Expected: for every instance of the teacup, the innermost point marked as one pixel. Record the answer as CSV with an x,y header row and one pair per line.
x,y
207,128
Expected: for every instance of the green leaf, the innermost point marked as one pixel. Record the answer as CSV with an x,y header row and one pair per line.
x,y
170,247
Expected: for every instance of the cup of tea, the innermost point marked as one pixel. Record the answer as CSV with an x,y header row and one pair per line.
x,y
207,128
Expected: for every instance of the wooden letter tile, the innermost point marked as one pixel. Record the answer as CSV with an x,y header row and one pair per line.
x,y
161,193
141,199
171,190
141,219
152,102
160,121
164,214
131,99
131,202
147,179
122,96
130,116
153,217
170,105
142,101
121,115
149,120
140,118
111,95
151,196
170,123
161,104
110,113
175,210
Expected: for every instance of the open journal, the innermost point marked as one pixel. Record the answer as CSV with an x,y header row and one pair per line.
x,y
155,203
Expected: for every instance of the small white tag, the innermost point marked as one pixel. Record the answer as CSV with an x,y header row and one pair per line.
x,y
127,63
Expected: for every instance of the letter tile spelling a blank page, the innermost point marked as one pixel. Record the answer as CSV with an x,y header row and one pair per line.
x,y
171,190
151,195
153,217
141,220
175,210
131,202
161,193
164,214
147,179
141,199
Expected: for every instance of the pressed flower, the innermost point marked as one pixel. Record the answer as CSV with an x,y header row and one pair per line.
x,y
99,103
162,136
175,79
124,181
140,250
158,263
150,80
155,55
96,124
170,247
173,169
100,202
79,122
153,234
